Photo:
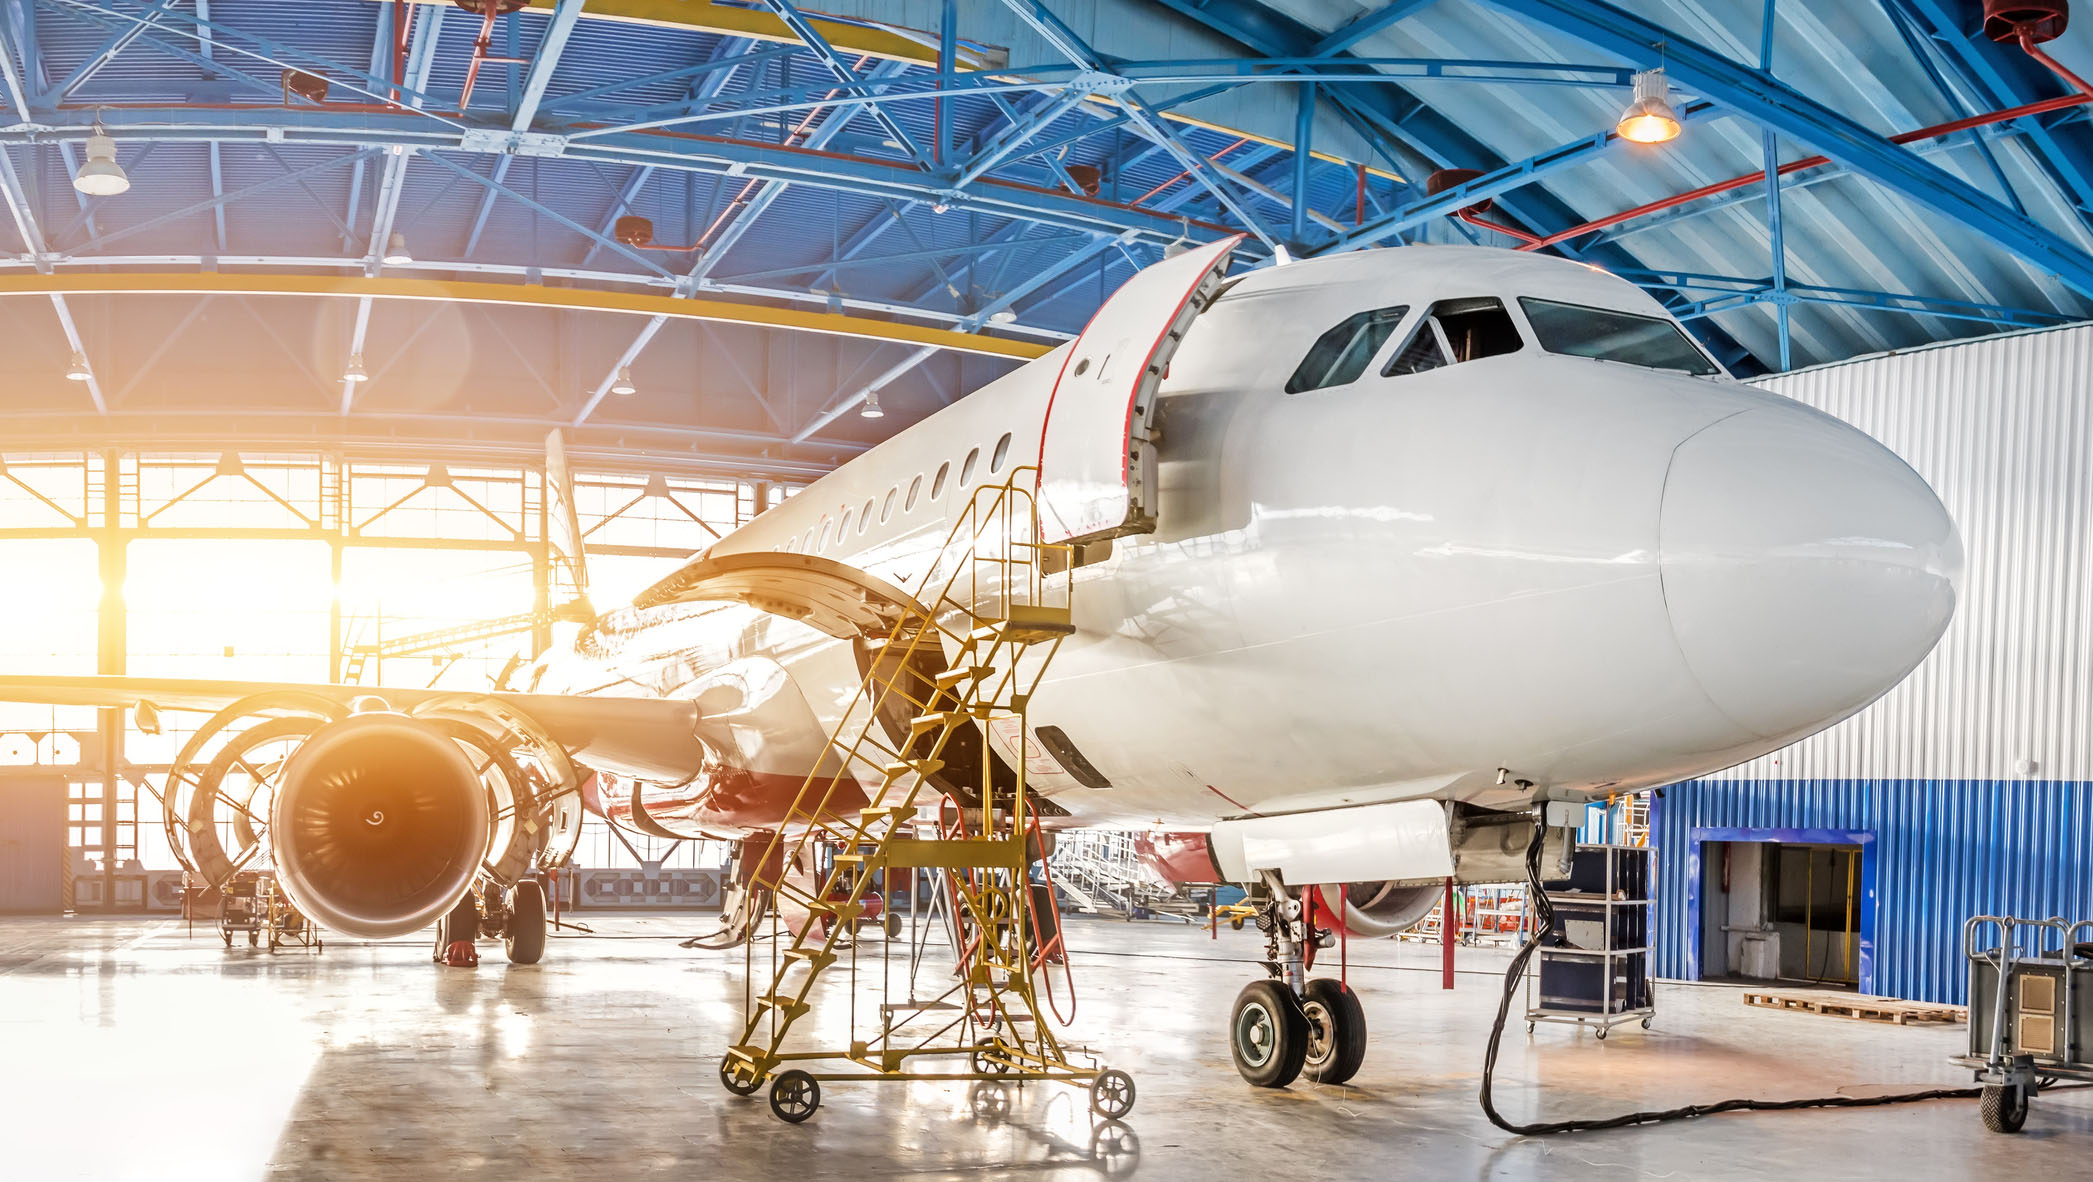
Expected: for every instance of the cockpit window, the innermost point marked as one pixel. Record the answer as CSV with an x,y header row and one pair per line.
x,y
1477,327
1340,355
1648,341
1423,352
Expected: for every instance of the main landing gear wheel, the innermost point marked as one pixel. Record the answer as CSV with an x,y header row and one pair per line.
x,y
524,939
1267,1034
1112,1094
794,1096
738,1080
1336,1032
2005,1108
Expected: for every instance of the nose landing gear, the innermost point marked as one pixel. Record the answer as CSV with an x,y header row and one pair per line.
x,y
1285,1026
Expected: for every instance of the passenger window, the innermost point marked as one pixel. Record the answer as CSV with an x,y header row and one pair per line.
x,y
865,516
1423,352
995,462
1477,327
843,527
937,485
821,539
886,508
913,487
1340,355
806,541
966,470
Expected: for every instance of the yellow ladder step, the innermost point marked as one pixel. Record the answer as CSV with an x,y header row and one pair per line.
x,y
890,812
816,957
748,1054
791,1007
935,719
922,767
964,673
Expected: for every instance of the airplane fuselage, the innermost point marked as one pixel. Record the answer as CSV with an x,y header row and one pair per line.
x,y
1576,572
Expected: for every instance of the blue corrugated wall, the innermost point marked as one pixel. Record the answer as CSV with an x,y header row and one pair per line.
x,y
1946,850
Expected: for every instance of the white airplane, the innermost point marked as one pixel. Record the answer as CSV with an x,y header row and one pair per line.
x,y
1378,555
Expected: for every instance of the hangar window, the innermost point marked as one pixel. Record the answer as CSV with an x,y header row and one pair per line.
x,y
966,470
1602,333
1340,355
913,487
865,516
886,508
937,485
995,462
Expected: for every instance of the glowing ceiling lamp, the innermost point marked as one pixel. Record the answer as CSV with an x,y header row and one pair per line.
x,y
76,370
1650,118
355,371
622,384
871,409
100,175
396,253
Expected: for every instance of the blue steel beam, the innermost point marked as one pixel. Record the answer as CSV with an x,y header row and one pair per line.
x,y
846,74
557,30
101,55
272,52
1771,103
1146,119
1366,24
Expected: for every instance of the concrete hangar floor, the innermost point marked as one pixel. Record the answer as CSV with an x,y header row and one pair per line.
x,y
132,1050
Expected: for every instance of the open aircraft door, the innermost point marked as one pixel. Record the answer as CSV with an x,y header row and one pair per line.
x,y
1097,462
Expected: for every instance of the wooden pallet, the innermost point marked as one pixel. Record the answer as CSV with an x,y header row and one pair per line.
x,y
1859,1006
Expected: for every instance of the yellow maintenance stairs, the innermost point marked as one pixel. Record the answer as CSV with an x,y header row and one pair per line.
x,y
984,621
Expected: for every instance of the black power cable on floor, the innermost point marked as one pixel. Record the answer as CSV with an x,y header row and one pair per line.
x,y
1544,923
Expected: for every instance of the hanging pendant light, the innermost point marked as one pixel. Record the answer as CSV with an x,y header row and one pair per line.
x,y
100,175
871,408
76,370
1650,119
622,384
355,371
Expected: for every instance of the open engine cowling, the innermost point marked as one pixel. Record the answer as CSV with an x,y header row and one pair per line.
x,y
1373,909
379,824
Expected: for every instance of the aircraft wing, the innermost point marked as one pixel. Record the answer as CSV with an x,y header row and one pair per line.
x,y
648,738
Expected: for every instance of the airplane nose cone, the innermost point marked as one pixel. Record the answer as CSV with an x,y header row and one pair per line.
x,y
1806,568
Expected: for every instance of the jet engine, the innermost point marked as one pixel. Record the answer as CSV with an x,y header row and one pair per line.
x,y
378,826
377,820
1373,909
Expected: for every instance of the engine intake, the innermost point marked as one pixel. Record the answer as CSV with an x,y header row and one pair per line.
x,y
379,825
1374,909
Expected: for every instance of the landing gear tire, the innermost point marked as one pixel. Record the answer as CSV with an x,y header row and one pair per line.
x,y
2005,1108
524,939
1112,1094
1267,1035
1336,1032
735,1081
892,923
794,1096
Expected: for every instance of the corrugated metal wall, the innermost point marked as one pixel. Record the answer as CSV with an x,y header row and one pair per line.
x,y
1974,773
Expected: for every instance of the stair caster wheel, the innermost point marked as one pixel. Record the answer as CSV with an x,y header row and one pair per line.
x,y
1529,1030
1112,1094
1645,1023
735,1081
2005,1108
794,1096
1602,1034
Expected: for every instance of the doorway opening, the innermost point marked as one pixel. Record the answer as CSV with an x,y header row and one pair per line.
x,y
1791,906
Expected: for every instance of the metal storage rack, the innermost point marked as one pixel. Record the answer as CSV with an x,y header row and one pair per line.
x,y
1593,969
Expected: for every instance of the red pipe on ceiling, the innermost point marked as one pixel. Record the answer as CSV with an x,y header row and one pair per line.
x,y
2040,107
